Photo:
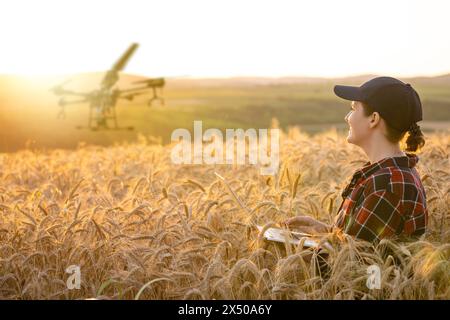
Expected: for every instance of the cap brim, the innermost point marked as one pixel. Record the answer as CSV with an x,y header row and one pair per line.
x,y
348,93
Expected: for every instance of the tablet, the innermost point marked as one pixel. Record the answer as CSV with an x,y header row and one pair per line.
x,y
280,235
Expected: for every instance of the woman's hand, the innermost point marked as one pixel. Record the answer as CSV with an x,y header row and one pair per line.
x,y
307,224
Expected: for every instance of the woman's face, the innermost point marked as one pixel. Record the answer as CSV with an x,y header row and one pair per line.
x,y
358,123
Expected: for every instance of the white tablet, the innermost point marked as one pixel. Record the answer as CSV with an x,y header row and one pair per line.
x,y
280,235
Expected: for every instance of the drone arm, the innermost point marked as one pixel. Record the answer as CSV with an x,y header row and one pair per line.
x,y
71,93
137,89
64,103
129,94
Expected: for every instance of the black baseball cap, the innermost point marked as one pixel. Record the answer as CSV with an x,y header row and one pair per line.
x,y
396,102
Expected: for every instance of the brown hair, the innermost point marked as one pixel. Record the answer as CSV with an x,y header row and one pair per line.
x,y
415,139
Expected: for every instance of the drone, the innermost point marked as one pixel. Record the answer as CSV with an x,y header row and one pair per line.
x,y
102,101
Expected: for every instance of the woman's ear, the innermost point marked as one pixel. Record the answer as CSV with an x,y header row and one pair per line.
x,y
374,119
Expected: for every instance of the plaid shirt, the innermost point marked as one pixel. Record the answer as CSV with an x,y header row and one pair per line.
x,y
384,199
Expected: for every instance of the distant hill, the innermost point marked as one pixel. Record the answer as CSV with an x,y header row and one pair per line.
x,y
89,81
353,80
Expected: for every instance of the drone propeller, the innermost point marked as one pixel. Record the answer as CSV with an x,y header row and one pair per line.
x,y
112,76
59,87
120,64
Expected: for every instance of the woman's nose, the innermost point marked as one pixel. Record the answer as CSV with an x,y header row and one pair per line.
x,y
347,116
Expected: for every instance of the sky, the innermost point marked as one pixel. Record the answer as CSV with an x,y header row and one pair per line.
x,y
208,38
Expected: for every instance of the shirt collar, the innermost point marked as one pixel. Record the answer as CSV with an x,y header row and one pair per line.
x,y
408,161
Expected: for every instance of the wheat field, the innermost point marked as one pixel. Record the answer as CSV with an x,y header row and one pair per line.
x,y
140,227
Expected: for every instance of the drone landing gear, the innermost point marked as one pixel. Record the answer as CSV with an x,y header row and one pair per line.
x,y
99,119
155,97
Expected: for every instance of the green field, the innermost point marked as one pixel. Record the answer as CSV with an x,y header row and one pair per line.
x,y
28,110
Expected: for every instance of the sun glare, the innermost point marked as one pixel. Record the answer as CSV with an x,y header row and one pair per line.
x,y
230,38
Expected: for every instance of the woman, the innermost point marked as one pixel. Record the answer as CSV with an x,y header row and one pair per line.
x,y
385,197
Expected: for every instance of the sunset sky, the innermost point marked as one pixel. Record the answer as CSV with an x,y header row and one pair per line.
x,y
227,38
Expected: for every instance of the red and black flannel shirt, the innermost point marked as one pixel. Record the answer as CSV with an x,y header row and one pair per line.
x,y
384,199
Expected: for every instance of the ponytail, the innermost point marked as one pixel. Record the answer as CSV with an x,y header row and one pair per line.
x,y
415,139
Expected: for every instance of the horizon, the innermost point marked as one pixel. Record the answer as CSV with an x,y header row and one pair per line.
x,y
274,77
